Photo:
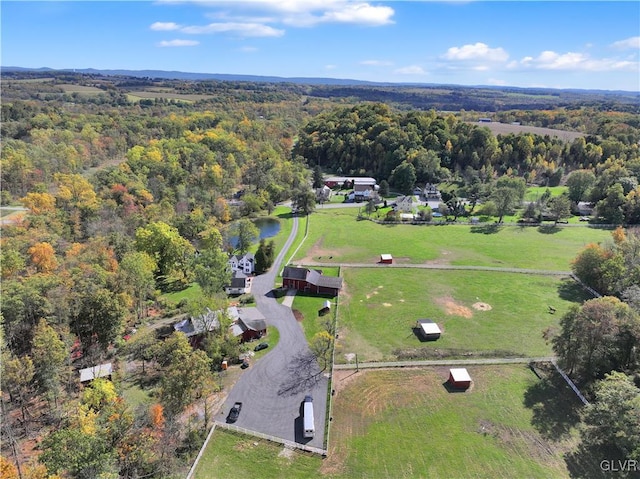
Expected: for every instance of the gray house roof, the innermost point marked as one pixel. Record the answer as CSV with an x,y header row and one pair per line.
x,y
193,326
312,276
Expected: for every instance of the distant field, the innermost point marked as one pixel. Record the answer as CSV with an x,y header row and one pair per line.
x,y
336,236
152,94
70,88
534,193
506,128
379,307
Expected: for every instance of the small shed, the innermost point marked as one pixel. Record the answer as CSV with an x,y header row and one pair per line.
x,y
98,371
326,307
459,378
386,259
428,329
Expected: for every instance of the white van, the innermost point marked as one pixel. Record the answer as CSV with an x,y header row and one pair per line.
x,y
309,427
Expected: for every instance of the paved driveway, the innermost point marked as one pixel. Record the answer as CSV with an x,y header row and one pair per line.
x,y
272,389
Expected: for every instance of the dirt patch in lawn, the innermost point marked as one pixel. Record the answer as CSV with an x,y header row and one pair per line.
x,y
298,315
452,307
482,306
317,254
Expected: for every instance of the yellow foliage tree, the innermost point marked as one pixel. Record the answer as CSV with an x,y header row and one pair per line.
x,y
43,257
39,203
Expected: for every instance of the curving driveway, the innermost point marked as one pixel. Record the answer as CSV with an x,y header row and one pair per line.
x,y
272,389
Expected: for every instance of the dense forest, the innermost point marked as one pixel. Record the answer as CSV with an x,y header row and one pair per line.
x,y
133,186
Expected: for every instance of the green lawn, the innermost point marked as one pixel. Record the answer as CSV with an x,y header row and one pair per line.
x,y
336,236
379,308
232,456
534,193
405,423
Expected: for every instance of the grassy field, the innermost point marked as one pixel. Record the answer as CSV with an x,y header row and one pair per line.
x,y
378,310
534,193
232,456
405,423
336,236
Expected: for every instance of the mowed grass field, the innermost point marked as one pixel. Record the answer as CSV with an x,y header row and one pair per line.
x,y
336,236
405,424
379,308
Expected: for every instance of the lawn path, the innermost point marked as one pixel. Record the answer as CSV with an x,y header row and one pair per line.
x,y
444,362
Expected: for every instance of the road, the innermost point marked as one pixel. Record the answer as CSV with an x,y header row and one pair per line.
x,y
272,389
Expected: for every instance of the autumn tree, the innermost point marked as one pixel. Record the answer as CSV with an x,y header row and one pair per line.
x,y
43,257
52,356
610,423
579,182
303,200
137,273
164,244
598,337
560,208
185,370
246,233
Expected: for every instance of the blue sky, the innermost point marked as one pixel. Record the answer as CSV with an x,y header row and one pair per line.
x,y
593,45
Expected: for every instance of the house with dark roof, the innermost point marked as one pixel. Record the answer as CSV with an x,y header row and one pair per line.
x,y
197,325
240,283
248,323
310,281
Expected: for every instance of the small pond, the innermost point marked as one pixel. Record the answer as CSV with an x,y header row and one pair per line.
x,y
268,227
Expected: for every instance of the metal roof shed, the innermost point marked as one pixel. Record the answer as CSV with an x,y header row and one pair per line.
x,y
98,371
428,329
459,378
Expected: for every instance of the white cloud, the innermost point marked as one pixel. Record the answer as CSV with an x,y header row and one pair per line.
x,y
164,26
330,67
632,43
376,63
248,49
477,51
242,29
573,61
411,70
306,13
361,13
178,43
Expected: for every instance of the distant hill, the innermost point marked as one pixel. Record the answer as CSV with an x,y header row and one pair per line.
x,y
177,75
193,76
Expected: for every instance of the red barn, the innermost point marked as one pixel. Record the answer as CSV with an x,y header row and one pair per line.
x,y
310,281
459,378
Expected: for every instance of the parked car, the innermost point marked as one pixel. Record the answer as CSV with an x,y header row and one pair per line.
x,y
261,346
245,364
235,412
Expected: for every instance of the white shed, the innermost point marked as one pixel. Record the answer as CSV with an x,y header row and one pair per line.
x,y
98,371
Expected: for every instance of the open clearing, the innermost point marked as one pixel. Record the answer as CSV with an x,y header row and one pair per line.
x,y
480,313
405,423
336,236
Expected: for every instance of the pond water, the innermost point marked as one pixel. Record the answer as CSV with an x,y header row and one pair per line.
x,y
268,227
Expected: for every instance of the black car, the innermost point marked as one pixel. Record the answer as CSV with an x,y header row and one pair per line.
x,y
245,364
235,412
261,346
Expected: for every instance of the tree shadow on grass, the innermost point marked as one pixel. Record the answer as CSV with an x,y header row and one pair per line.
x,y
302,374
592,462
569,290
487,229
549,229
555,407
